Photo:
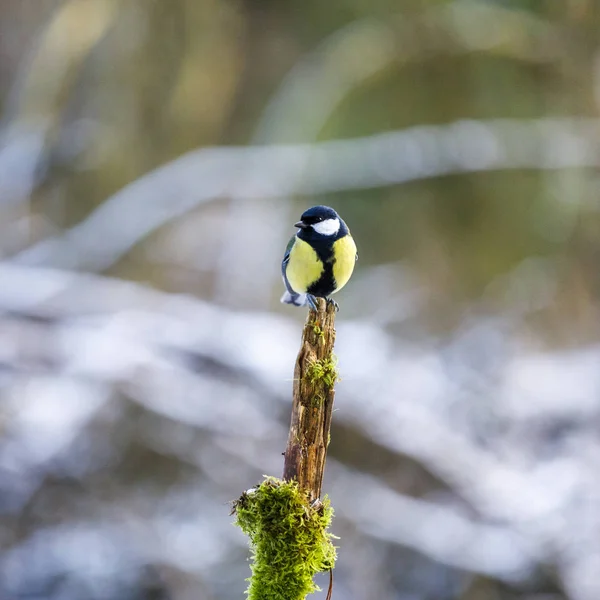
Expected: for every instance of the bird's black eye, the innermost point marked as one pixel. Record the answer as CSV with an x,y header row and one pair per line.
x,y
311,220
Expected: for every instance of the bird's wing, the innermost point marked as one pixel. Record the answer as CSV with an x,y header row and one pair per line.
x,y
284,264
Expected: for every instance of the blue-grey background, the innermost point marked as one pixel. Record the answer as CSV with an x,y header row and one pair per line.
x,y
154,155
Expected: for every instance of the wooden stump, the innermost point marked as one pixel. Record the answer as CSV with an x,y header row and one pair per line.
x,y
315,375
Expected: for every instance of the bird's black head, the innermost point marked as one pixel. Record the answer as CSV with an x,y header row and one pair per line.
x,y
316,214
320,221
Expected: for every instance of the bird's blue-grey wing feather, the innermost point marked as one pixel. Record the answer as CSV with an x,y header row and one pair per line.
x,y
284,264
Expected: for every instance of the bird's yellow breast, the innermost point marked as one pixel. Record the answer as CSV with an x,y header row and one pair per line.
x,y
344,252
304,266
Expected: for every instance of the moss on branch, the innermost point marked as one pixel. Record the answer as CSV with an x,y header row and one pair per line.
x,y
324,370
288,538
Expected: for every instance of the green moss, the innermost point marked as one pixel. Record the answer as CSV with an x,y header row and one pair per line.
x,y
323,370
318,331
288,539
317,400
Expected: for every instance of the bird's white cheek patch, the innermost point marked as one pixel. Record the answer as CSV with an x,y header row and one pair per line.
x,y
327,227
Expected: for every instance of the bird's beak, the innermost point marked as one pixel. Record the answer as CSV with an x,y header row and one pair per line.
x,y
301,225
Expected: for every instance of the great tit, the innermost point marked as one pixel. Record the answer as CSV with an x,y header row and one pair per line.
x,y
319,259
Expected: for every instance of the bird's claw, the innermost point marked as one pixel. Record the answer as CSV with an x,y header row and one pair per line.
x,y
336,306
312,302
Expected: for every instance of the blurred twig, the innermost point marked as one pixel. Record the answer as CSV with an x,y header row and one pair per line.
x,y
278,171
36,102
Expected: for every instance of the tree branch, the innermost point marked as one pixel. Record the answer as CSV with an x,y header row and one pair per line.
x,y
314,377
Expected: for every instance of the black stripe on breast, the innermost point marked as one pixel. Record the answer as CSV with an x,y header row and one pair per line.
x,y
326,284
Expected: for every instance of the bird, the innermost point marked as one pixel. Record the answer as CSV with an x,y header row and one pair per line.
x,y
319,259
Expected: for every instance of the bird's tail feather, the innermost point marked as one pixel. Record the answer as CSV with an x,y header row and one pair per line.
x,y
295,299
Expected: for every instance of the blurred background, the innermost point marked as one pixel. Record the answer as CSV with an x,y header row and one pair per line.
x,y
154,155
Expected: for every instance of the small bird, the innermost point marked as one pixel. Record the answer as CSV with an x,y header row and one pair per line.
x,y
319,259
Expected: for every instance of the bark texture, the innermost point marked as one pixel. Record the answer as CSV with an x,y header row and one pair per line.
x,y
313,394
